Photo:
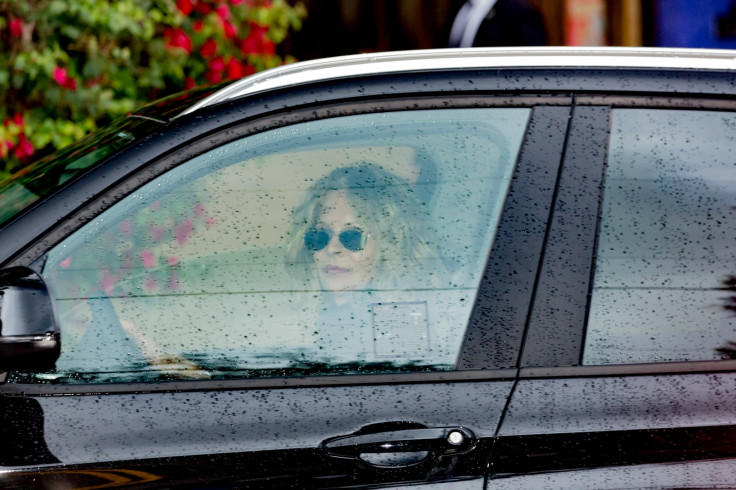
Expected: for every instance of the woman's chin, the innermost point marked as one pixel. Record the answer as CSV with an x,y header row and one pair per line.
x,y
343,286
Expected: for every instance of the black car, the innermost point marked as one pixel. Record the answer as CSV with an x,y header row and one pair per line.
x,y
470,268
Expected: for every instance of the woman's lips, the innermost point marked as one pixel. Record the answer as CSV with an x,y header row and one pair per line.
x,y
335,270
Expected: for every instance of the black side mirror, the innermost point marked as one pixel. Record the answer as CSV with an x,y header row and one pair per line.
x,y
29,336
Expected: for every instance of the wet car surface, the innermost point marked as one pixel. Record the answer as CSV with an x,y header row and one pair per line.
x,y
464,268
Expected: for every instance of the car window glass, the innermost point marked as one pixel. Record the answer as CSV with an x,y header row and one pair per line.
x,y
345,245
664,279
46,176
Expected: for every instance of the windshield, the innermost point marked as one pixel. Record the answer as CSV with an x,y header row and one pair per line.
x,y
44,177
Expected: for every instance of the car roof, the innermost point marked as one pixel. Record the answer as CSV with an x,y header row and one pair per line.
x,y
326,69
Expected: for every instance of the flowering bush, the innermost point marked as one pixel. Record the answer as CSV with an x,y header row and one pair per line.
x,y
69,66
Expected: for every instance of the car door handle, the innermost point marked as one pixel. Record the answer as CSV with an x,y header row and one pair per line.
x,y
440,441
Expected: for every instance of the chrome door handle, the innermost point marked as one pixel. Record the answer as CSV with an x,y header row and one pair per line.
x,y
441,441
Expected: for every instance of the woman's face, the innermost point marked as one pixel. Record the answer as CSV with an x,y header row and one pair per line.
x,y
339,267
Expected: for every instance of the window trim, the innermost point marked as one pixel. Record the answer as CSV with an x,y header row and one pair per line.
x,y
559,312
469,376
643,369
674,101
510,281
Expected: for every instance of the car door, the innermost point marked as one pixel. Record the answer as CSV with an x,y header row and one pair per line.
x,y
330,296
627,377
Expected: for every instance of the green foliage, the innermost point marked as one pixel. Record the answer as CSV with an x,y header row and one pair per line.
x,y
69,66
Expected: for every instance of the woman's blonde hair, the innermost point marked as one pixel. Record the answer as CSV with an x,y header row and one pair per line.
x,y
387,206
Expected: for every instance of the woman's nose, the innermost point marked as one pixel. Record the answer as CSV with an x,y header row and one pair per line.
x,y
334,246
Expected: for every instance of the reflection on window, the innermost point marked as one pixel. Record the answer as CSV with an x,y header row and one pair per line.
x,y
349,245
44,177
664,280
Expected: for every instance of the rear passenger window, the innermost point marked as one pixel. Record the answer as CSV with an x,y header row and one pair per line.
x,y
664,278
345,245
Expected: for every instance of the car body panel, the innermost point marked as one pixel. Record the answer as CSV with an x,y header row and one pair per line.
x,y
649,423
179,424
545,420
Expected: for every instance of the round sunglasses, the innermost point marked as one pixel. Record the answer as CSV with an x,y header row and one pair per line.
x,y
352,239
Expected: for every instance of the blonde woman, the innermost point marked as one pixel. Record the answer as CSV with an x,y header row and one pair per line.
x,y
360,238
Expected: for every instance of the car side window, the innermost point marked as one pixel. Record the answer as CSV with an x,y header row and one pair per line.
x,y
664,277
345,245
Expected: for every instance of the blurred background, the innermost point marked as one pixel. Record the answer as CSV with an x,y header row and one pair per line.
x,y
338,27
68,67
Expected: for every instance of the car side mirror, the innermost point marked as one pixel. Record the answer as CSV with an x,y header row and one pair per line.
x,y
29,336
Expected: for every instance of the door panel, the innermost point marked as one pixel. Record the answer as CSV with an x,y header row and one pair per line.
x,y
583,423
98,431
258,420
646,226
121,418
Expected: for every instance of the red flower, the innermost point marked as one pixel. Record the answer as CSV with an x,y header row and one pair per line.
x,y
234,69
230,30
209,48
213,76
223,12
147,258
157,232
16,28
257,42
217,64
183,231
61,77
25,148
198,26
203,8
189,83
17,120
185,6
248,70
150,284
177,38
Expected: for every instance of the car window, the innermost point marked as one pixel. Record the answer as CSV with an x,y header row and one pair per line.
x,y
664,277
46,176
345,245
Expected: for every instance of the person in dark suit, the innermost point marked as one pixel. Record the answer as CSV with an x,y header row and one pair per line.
x,y
497,23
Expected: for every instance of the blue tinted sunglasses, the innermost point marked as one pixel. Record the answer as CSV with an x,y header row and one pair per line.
x,y
351,239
